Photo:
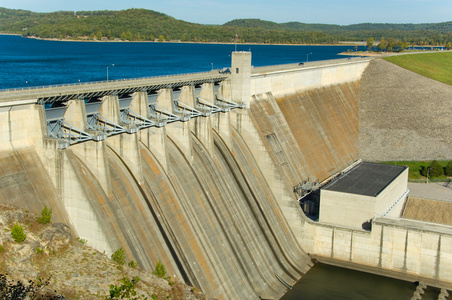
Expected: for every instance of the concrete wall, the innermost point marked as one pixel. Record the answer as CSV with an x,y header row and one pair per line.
x,y
307,77
408,250
344,209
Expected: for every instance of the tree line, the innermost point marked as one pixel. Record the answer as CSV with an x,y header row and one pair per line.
x,y
148,25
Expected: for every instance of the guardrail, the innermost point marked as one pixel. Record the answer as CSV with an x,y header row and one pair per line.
x,y
104,87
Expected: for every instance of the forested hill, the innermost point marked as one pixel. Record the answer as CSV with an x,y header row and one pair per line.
x,y
257,23
419,34
148,25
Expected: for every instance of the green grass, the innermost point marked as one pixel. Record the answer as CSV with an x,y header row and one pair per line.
x,y
415,168
437,66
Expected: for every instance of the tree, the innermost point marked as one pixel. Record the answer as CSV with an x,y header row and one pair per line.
x,y
18,234
370,44
159,270
436,169
448,169
46,215
448,45
383,44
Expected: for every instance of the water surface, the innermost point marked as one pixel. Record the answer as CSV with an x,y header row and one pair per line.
x,y
31,62
325,282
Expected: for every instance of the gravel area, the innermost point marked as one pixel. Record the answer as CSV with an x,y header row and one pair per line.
x,y
403,115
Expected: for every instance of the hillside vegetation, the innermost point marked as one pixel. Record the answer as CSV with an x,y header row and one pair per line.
x,y
437,66
140,25
50,263
148,25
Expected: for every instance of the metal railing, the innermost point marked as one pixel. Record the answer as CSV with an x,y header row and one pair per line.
x,y
132,85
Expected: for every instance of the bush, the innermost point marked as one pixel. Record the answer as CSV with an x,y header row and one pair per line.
x,y
448,169
159,270
83,241
126,290
119,256
18,234
133,264
46,215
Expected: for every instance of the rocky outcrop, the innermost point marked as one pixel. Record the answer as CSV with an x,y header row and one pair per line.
x,y
68,268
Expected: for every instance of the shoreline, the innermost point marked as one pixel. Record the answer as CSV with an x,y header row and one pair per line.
x,y
340,43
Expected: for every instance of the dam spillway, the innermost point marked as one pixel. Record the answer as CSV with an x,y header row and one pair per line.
x,y
211,196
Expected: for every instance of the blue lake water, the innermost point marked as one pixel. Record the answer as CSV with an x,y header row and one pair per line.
x,y
31,62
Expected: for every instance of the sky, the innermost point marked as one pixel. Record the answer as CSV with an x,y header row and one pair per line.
x,y
340,12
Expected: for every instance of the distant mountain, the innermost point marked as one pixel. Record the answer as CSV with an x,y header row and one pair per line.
x,y
148,25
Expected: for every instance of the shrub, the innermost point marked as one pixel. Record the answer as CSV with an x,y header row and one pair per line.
x,y
448,169
126,290
83,241
133,264
2,249
46,215
39,250
159,270
18,234
119,256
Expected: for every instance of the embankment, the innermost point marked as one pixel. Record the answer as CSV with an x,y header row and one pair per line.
x,y
403,115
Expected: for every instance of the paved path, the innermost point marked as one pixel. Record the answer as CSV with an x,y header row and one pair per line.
x,y
433,190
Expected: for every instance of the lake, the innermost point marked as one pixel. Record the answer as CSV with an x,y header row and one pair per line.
x,y
31,62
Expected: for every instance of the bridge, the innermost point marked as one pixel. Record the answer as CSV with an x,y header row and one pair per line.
x,y
198,171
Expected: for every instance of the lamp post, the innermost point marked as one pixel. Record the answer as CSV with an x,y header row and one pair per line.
x,y
307,56
107,69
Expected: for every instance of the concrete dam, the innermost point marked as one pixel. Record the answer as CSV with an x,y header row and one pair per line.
x,y
203,172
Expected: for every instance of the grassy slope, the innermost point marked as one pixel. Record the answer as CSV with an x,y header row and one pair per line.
x,y
437,66
415,168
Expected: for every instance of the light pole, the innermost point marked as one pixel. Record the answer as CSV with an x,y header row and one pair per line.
x,y
107,69
307,56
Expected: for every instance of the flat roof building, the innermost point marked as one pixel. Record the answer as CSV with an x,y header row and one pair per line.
x,y
368,190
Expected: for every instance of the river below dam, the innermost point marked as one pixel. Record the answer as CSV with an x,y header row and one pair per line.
x,y
324,282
